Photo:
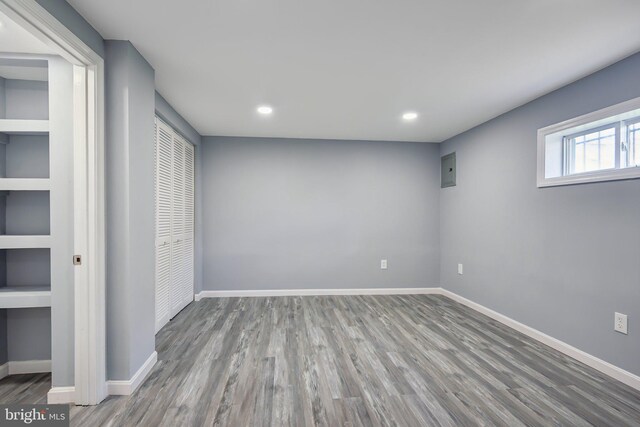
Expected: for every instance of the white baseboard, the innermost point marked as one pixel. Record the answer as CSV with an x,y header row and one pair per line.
x,y
24,367
315,292
607,368
127,387
61,395
28,366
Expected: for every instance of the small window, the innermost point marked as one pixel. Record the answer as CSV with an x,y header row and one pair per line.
x,y
601,146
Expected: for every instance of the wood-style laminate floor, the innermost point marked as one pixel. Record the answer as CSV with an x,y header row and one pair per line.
x,y
358,360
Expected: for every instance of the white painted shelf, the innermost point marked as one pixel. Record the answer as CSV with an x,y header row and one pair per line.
x,y
25,184
25,296
24,242
33,127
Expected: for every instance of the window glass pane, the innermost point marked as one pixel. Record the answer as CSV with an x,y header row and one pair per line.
x,y
593,151
592,157
579,159
608,153
608,132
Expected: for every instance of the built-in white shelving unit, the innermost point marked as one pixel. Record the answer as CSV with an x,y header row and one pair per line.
x,y
25,296
27,127
25,184
25,242
25,211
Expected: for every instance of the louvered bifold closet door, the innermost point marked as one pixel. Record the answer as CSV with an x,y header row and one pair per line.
x,y
189,222
163,189
178,264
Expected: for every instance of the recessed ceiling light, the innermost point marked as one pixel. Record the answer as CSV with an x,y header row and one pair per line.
x,y
411,115
265,109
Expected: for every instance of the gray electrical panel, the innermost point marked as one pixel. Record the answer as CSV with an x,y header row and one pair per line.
x,y
448,170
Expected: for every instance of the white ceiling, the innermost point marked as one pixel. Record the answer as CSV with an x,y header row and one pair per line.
x,y
348,69
15,39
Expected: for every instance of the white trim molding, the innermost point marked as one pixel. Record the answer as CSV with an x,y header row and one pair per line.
x,y
316,292
29,366
127,387
16,367
61,395
607,368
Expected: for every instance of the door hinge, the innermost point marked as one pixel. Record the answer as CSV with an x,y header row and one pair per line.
x,y
77,260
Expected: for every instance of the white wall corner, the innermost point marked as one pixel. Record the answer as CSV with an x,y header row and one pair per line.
x,y
61,395
607,368
127,387
29,366
198,296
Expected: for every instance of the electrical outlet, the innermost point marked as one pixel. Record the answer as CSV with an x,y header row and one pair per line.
x,y
460,269
620,323
383,264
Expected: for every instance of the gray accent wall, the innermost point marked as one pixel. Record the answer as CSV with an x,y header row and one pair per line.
x,y
79,26
130,107
562,259
319,214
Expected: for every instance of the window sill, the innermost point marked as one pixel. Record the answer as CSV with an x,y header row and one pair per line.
x,y
583,178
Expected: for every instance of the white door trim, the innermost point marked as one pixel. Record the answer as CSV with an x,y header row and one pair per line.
x,y
89,193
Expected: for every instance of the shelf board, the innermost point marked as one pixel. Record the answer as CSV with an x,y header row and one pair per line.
x,y
25,184
25,296
32,127
24,242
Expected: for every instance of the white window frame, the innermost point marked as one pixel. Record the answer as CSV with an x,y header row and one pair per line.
x,y
581,125
628,123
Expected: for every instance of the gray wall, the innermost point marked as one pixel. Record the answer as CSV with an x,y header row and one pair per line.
x,y
71,19
130,110
558,259
25,99
295,214
173,118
